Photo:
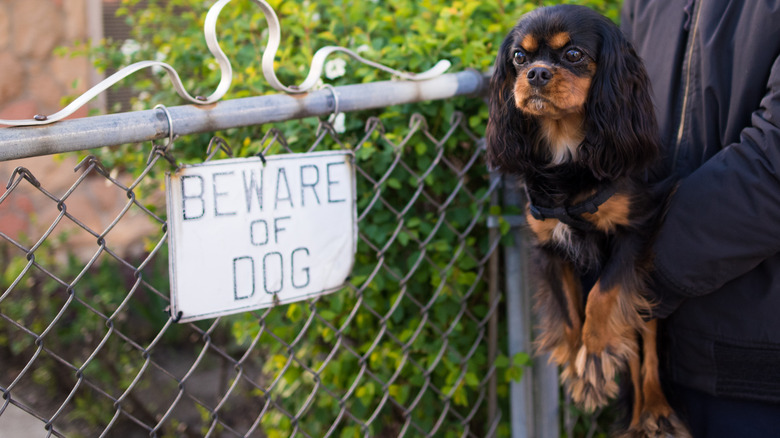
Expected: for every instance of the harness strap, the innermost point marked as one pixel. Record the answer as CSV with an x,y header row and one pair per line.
x,y
572,215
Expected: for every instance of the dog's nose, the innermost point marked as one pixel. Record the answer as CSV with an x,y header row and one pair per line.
x,y
539,76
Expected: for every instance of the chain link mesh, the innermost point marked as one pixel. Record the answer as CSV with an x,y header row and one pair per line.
x,y
87,349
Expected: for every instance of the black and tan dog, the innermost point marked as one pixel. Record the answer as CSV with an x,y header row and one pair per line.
x,y
571,114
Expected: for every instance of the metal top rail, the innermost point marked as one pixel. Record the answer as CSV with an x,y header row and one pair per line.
x,y
139,126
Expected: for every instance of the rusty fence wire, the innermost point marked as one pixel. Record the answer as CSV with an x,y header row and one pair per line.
x,y
409,347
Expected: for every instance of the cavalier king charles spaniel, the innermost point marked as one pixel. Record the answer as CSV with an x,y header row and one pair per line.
x,y
571,114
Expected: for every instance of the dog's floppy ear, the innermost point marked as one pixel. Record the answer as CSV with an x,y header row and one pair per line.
x,y
507,134
622,132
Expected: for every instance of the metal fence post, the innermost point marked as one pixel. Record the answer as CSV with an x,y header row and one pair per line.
x,y
493,294
547,398
534,400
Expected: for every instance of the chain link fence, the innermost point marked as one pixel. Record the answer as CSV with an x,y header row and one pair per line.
x,y
409,347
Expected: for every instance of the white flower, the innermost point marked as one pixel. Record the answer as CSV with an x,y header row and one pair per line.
x,y
363,48
338,123
129,47
335,68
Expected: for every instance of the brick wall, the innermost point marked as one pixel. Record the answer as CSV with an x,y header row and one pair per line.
x,y
33,80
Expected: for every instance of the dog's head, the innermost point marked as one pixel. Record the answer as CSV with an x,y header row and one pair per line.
x,y
567,86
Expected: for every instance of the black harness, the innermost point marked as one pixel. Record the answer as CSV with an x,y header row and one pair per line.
x,y
571,215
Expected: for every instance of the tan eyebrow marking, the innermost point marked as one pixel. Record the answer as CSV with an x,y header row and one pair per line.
x,y
529,43
559,40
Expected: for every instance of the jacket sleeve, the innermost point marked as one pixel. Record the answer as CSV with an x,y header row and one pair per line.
x,y
724,218
627,19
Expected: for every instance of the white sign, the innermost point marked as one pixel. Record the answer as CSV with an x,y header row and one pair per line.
x,y
244,235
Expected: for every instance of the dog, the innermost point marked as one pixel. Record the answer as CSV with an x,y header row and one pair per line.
x,y
571,114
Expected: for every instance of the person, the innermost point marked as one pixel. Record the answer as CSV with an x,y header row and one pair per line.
x,y
715,70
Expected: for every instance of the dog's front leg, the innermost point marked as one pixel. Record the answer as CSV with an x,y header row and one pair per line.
x,y
608,342
612,321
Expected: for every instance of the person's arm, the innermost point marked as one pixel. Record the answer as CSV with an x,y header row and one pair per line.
x,y
724,218
627,19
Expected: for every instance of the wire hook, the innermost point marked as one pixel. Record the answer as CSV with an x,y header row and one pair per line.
x,y
170,125
164,151
335,94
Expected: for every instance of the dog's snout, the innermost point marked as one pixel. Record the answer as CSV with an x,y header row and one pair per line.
x,y
539,76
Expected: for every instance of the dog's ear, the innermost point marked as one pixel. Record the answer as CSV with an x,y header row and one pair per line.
x,y
507,136
622,132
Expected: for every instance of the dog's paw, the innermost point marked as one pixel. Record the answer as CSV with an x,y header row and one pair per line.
x,y
592,380
655,425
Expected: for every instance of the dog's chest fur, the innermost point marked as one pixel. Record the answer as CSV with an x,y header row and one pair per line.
x,y
586,241
584,249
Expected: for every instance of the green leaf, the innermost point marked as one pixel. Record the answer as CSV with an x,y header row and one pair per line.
x,y
501,361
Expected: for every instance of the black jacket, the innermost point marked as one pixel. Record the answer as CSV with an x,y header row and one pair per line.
x,y
715,69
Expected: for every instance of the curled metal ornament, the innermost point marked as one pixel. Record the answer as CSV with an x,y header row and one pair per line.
x,y
210,33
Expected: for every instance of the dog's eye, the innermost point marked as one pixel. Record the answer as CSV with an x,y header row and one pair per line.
x,y
573,55
519,57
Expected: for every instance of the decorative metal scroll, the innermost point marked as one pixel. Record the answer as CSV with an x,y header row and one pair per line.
x,y
274,36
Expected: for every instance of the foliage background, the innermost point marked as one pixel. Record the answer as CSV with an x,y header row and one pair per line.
x,y
408,35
